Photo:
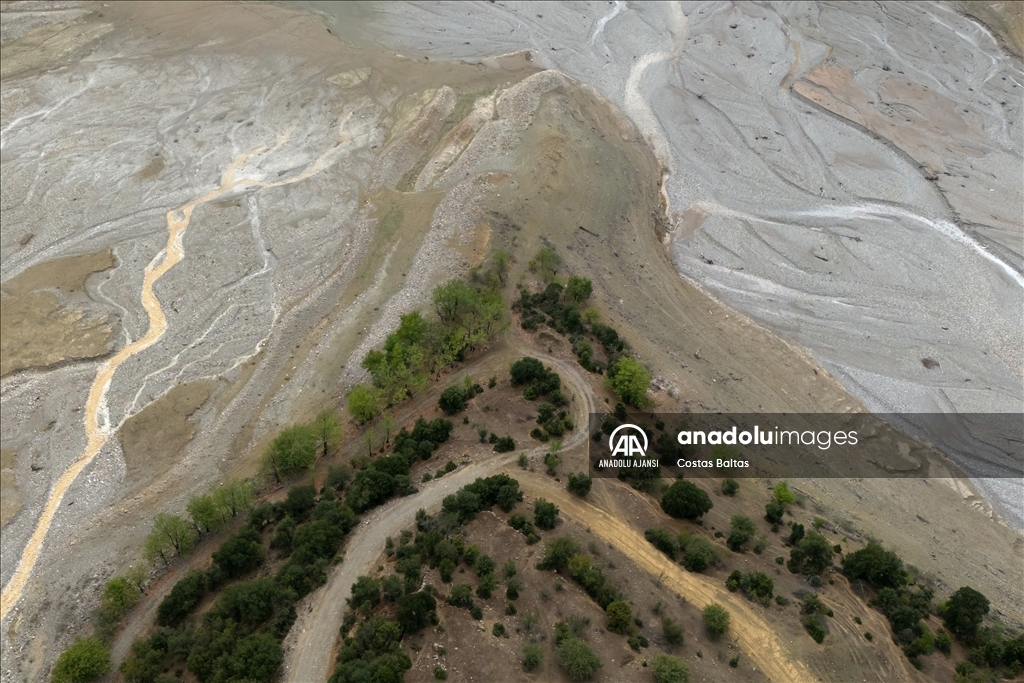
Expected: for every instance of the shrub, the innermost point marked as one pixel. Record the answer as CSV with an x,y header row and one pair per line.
x,y
453,400
684,500
577,660
742,530
240,554
662,540
669,669
700,553
672,631
533,656
545,514
619,616
782,494
85,660
440,674
504,444
579,484
578,289
774,511
716,619
185,595
558,552
498,630
944,643
730,487
812,623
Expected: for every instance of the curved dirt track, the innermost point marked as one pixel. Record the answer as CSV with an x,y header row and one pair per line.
x,y
311,640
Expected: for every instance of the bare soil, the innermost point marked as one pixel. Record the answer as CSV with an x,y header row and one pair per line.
x,y
49,316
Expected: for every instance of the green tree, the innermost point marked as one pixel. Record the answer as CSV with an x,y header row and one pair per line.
x,y
170,534
579,484
327,430
879,567
812,555
453,399
964,612
545,514
618,616
533,657
364,403
292,451
207,517
578,289
85,660
730,486
700,553
453,300
500,261
716,619
233,498
240,554
577,660
547,262
119,594
669,669
629,380
558,552
742,530
782,494
256,658
684,500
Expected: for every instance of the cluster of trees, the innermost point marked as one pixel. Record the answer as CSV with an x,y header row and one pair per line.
x,y
466,314
174,536
454,398
907,606
563,553
755,585
373,653
525,527
388,476
296,448
240,636
538,380
694,552
813,612
483,494
551,423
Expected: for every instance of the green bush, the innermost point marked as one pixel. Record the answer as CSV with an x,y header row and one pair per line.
x,y
85,660
730,487
577,660
291,452
504,444
579,484
669,669
716,619
618,616
533,657
964,612
812,623
700,554
811,556
545,514
742,530
877,566
629,380
663,540
684,500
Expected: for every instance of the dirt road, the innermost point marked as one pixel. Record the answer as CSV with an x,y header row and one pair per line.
x,y
311,640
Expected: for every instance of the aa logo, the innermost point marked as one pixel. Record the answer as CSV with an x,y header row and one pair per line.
x,y
627,443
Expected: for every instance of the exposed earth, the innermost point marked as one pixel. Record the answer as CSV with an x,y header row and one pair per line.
x,y
211,212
